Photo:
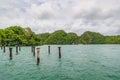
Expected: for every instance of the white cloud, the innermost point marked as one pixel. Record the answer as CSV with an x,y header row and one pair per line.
x,y
70,15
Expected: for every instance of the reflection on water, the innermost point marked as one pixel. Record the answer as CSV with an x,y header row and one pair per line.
x,y
78,62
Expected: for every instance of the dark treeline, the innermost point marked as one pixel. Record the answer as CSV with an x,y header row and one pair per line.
x,y
25,36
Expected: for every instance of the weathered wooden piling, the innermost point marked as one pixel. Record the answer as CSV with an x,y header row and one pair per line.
x,y
38,56
4,49
10,55
16,49
49,49
1,47
19,48
59,52
33,50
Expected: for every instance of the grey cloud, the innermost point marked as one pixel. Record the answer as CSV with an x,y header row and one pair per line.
x,y
70,15
118,31
94,14
45,15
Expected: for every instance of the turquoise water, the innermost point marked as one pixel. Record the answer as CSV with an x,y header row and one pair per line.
x,y
78,62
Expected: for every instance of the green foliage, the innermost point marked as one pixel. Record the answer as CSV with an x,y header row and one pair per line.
x,y
2,36
9,36
24,36
16,29
17,35
14,35
42,37
112,39
30,37
58,37
92,38
71,38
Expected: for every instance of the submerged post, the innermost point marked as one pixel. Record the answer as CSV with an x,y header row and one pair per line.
x,y
33,50
1,47
59,52
38,56
10,55
17,49
49,49
4,49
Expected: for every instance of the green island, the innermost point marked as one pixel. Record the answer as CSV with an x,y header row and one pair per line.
x,y
25,36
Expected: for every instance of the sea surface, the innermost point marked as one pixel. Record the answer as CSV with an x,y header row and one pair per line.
x,y
78,62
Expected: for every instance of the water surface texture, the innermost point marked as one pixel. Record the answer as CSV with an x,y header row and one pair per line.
x,y
78,62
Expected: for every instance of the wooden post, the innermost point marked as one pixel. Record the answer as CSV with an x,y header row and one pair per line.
x,y
4,49
33,50
17,49
49,49
59,52
1,47
38,56
10,49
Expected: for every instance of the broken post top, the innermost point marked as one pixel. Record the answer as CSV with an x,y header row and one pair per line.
x,y
59,47
38,48
10,48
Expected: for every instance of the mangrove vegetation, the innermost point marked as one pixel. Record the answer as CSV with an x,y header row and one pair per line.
x,y
25,36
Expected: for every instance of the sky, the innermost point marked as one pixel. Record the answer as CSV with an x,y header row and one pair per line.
x,y
77,16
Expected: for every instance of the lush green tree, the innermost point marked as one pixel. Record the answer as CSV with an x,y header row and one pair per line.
x,y
16,29
17,35
14,35
71,38
42,37
112,39
2,36
92,38
25,36
58,37
9,36
31,37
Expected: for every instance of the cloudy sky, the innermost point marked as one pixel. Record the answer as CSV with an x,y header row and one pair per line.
x,y
70,15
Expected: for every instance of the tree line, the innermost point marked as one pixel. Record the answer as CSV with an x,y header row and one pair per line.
x,y
25,36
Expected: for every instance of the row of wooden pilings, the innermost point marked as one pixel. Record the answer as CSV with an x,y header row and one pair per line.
x,y
32,50
38,53
59,51
10,50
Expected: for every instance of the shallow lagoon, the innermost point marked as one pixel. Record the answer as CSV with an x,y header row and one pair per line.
x,y
78,62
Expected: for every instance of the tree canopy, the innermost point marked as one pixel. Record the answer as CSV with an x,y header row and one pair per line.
x,y
57,37
92,38
25,36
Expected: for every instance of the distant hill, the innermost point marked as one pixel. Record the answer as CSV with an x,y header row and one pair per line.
x,y
25,36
